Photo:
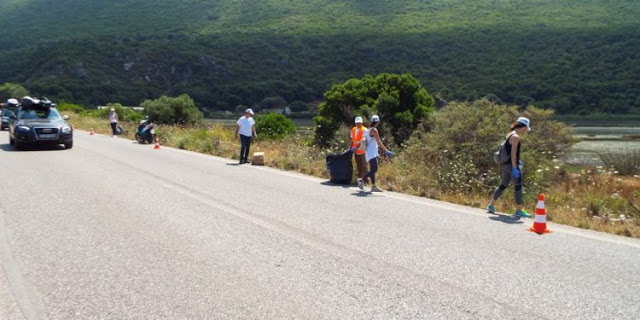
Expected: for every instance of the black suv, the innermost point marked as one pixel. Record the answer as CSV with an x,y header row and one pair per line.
x,y
36,122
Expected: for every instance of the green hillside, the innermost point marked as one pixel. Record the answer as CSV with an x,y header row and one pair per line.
x,y
573,55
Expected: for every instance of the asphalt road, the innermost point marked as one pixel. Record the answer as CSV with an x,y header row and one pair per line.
x,y
115,230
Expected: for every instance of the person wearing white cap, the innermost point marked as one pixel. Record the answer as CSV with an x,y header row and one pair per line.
x,y
373,142
357,146
247,129
512,168
113,120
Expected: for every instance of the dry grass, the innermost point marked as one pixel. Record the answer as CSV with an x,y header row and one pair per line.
x,y
596,198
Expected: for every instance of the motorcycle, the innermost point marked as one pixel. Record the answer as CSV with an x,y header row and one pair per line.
x,y
146,132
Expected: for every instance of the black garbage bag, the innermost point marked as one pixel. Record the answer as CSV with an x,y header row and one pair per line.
x,y
340,167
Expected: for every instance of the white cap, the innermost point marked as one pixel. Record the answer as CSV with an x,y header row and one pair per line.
x,y
359,120
249,111
375,118
524,121
12,101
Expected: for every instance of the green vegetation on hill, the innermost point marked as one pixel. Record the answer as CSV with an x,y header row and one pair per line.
x,y
573,56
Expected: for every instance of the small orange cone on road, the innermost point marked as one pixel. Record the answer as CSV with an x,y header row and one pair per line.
x,y
91,132
157,146
540,222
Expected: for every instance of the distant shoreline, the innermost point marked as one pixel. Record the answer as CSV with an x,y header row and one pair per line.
x,y
601,120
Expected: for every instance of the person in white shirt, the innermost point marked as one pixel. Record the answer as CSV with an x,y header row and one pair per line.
x,y
113,120
373,143
247,129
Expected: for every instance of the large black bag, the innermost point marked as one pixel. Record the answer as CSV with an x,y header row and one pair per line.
x,y
340,167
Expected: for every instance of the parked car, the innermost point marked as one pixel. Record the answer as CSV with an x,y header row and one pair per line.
x,y
9,108
37,122
6,116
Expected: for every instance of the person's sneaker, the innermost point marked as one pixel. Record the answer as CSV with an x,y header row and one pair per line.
x,y
491,208
522,213
375,189
360,184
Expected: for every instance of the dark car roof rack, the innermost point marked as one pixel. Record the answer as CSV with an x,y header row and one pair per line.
x,y
42,104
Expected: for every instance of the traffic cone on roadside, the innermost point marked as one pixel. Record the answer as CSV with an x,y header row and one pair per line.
x,y
157,146
91,132
540,222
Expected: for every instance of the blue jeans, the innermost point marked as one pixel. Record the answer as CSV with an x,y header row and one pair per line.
x,y
245,144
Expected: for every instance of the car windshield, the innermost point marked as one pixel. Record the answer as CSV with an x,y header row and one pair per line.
x,y
48,114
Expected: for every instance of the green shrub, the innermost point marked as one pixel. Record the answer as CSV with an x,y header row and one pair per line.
x,y
124,114
64,106
169,110
274,126
459,149
626,161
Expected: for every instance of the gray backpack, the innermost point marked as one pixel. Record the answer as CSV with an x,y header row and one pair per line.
x,y
501,156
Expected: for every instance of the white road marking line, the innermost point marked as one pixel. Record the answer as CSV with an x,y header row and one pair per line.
x,y
23,294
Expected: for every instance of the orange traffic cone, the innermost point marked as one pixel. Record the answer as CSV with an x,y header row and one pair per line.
x,y
540,222
91,132
157,146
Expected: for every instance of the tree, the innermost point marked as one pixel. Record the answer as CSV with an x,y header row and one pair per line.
x,y
299,106
400,101
271,103
170,110
12,90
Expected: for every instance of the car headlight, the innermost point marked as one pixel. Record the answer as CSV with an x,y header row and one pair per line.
x,y
66,129
24,128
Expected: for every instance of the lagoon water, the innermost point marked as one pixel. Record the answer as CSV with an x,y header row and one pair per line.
x,y
597,140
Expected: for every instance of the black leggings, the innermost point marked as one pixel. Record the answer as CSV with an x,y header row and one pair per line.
x,y
373,164
114,128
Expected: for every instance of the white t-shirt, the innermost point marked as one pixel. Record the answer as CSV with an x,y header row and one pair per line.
x,y
113,118
245,125
372,146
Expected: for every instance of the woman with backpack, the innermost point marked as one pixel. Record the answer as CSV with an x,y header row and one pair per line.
x,y
371,154
512,167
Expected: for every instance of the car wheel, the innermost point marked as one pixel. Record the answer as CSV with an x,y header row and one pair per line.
x,y
11,141
17,145
68,145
